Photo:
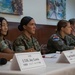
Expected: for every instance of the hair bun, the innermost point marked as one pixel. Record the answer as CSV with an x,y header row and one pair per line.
x,y
24,21
20,28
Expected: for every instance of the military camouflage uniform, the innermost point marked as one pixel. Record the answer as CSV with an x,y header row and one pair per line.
x,y
71,35
23,43
57,43
9,44
5,44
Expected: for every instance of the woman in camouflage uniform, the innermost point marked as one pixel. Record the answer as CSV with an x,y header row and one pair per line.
x,y
72,23
61,41
26,42
5,45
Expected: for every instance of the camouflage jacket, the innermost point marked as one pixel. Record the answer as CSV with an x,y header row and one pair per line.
x,y
23,43
71,35
56,43
5,44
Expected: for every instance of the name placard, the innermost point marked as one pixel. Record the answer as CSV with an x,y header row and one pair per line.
x,y
67,57
29,60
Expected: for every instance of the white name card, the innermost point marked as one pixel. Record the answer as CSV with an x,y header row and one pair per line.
x,y
67,57
29,60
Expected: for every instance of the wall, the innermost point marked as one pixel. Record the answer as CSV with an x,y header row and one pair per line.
x,y
37,9
43,32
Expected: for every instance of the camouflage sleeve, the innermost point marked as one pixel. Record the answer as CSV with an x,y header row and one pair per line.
x,y
18,46
9,44
3,45
71,40
59,44
37,46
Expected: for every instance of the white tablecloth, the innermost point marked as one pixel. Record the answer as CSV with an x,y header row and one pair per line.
x,y
52,68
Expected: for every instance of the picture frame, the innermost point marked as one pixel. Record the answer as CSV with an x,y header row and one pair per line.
x,y
56,9
13,7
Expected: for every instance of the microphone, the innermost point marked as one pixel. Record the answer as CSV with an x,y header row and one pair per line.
x,y
3,61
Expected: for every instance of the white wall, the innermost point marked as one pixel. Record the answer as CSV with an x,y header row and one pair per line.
x,y
37,9
70,13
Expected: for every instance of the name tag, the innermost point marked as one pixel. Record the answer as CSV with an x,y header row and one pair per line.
x,y
67,57
29,60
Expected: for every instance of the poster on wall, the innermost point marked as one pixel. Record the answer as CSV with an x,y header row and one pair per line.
x,y
11,7
56,9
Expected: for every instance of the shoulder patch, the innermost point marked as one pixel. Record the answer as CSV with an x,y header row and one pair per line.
x,y
55,38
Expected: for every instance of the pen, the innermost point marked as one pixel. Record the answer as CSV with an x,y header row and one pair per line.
x,y
48,56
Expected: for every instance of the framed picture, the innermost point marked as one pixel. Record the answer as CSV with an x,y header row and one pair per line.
x,y
56,9
11,7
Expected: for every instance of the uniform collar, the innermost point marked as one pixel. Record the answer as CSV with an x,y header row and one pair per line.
x,y
25,37
60,35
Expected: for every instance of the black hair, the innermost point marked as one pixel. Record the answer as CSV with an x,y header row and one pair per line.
x,y
72,21
61,23
24,21
1,19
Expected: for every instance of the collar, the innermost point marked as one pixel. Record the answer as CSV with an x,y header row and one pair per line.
x,y
60,35
25,37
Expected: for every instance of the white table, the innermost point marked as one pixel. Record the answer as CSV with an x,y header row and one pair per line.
x,y
52,68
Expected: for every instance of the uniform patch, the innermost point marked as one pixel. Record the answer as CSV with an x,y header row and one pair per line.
x,y
55,38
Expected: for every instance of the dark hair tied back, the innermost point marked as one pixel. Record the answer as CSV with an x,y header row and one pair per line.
x,y
61,23
24,21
